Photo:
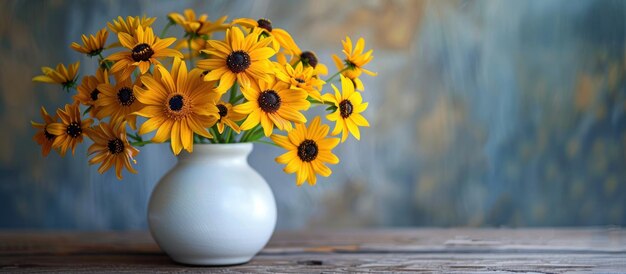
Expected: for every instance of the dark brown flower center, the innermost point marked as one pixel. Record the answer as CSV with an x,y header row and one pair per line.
x,y
300,80
265,24
238,61
94,94
308,59
269,101
125,96
176,103
142,52
115,146
74,130
345,108
48,135
350,65
307,150
223,111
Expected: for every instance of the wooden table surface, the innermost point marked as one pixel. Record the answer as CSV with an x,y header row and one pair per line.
x,y
406,250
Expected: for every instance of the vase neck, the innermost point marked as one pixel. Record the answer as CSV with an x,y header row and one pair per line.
x,y
217,152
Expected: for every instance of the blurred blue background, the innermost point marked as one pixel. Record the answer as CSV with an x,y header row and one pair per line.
x,y
484,113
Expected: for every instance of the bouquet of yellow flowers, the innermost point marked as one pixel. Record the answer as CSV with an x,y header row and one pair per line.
x,y
253,82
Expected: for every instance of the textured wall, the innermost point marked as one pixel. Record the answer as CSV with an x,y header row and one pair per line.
x,y
483,113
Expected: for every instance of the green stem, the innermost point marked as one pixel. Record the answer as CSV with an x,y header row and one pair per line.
x,y
313,101
233,93
237,99
133,137
190,53
164,31
335,75
216,135
247,133
140,144
102,60
254,131
229,133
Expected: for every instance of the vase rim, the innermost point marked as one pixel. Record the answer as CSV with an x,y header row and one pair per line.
x,y
217,150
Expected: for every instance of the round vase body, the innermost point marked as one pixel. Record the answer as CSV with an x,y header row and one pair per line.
x,y
212,208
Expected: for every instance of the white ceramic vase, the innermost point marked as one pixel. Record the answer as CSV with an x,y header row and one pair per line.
x,y
212,208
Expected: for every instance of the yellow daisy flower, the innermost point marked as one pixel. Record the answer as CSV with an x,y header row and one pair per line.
x,y
228,117
178,104
197,26
130,25
245,59
308,150
70,130
92,45
119,101
111,148
280,37
272,103
301,77
88,92
44,137
307,58
197,29
144,48
61,75
349,106
354,62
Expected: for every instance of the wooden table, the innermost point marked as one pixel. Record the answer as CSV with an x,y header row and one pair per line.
x,y
406,250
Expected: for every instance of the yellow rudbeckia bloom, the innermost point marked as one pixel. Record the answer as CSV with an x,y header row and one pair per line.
x,y
301,77
197,26
308,150
70,130
92,45
272,104
354,62
44,137
119,101
228,117
178,104
144,48
111,148
88,92
307,58
61,75
280,37
198,29
239,57
349,106
130,25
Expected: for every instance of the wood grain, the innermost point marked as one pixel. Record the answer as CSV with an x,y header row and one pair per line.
x,y
408,250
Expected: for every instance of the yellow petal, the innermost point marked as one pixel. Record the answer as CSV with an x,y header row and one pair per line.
x,y
163,132
186,136
176,144
151,125
286,157
282,141
327,157
262,53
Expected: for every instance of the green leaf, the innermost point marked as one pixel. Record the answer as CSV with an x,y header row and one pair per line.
x,y
87,110
258,134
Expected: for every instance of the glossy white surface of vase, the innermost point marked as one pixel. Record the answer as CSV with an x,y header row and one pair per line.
x,y
212,208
